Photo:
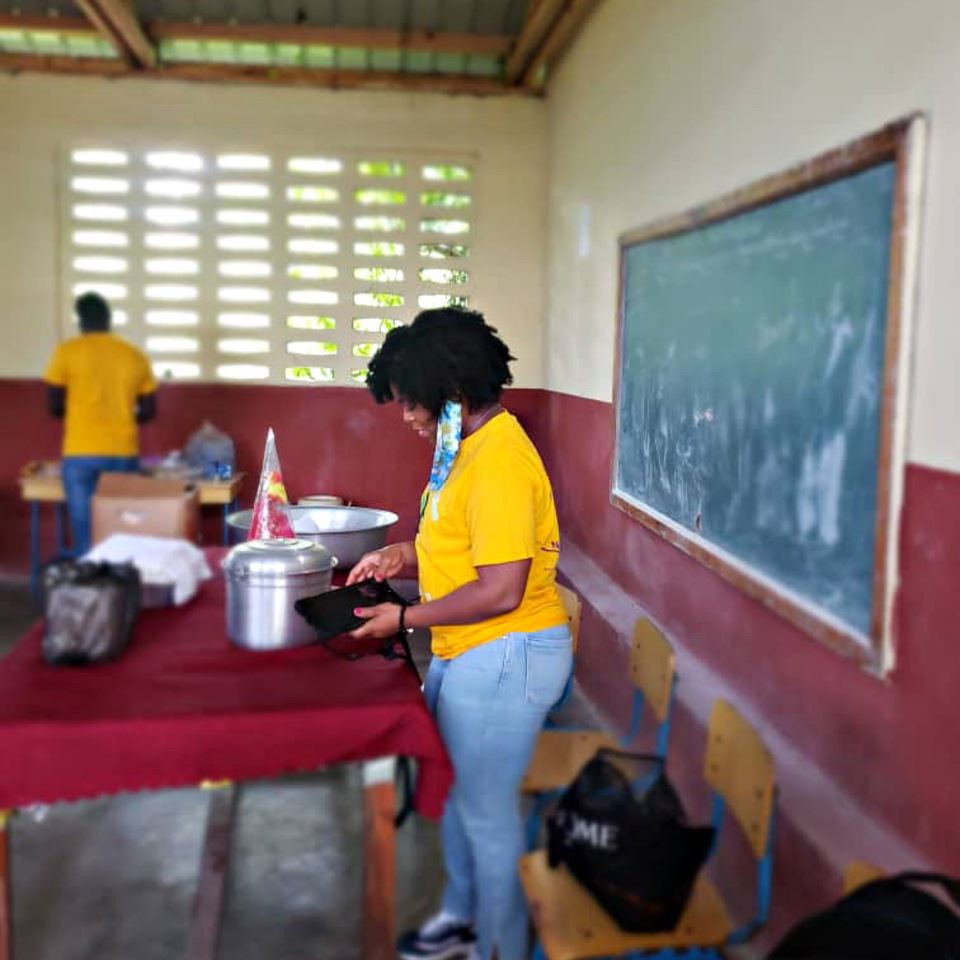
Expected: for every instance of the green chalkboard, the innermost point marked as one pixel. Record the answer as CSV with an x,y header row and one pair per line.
x,y
751,371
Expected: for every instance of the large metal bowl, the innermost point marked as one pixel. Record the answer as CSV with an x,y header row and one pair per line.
x,y
347,532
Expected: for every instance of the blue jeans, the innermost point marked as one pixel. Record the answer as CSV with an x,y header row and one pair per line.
x,y
490,704
80,476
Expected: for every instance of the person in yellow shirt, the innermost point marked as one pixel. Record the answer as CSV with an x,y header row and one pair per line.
x,y
486,556
101,387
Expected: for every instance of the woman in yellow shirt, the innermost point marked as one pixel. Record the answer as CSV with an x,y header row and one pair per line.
x,y
486,554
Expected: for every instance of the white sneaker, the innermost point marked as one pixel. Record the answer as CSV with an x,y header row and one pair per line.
x,y
442,937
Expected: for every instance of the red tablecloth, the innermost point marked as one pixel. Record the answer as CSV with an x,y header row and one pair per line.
x,y
184,705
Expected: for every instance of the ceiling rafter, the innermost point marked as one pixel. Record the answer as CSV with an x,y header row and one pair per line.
x,y
565,29
265,75
550,28
534,32
117,22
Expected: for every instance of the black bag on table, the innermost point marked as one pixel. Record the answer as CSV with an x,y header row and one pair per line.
x,y
627,840
885,919
89,609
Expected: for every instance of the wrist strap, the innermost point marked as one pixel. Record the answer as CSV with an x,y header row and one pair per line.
x,y
403,621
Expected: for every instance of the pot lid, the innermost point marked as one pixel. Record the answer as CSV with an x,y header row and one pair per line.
x,y
280,557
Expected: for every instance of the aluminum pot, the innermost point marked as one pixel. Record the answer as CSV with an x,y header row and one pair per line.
x,y
347,532
264,579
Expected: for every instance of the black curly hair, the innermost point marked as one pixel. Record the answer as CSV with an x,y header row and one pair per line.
x,y
445,354
93,312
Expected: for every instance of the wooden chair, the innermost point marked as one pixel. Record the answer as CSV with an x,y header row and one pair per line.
x,y
571,925
560,754
858,873
574,608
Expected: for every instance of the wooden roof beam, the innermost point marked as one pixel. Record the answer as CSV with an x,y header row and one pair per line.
x,y
535,30
301,34
268,76
548,31
16,21
117,22
558,40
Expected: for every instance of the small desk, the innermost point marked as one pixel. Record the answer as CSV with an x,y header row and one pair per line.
x,y
40,484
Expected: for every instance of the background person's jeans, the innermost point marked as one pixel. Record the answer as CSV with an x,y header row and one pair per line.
x,y
80,476
490,704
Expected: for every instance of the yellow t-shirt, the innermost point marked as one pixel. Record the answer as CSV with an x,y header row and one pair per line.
x,y
495,507
103,376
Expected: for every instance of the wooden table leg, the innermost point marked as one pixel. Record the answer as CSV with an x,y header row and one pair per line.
x,y
6,919
379,861
204,930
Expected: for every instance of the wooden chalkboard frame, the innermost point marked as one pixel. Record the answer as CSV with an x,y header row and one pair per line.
x,y
903,143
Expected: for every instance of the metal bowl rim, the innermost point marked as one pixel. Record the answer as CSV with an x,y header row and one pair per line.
x,y
384,518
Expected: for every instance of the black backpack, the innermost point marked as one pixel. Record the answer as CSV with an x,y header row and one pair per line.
x,y
627,840
886,919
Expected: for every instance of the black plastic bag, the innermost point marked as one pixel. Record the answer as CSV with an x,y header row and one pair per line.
x,y
90,609
627,841
885,919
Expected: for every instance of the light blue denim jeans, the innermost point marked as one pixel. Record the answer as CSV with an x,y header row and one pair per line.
x,y
490,704
80,476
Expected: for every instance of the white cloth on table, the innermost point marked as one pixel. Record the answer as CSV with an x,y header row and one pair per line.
x,y
163,561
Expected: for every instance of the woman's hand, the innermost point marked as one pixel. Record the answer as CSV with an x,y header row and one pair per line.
x,y
383,621
383,564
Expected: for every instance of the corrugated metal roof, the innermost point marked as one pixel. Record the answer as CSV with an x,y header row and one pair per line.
x,y
444,38
488,17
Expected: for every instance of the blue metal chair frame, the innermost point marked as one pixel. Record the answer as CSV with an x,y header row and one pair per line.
x,y
541,802
742,933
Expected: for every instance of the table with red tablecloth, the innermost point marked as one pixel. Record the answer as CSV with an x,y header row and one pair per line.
x,y
184,706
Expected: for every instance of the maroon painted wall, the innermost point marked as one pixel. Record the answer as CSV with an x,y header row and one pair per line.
x,y
331,440
889,745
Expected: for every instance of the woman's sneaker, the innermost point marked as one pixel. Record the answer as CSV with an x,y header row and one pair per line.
x,y
442,937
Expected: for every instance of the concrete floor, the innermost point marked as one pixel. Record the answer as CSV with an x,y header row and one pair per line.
x,y
114,879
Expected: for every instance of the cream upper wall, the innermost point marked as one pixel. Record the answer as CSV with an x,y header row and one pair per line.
x,y
39,115
665,104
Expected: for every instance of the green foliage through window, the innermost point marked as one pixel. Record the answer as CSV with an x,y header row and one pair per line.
x,y
378,300
448,173
381,168
313,194
439,275
366,350
385,224
312,348
379,274
301,322
375,324
376,248
380,197
444,226
443,251
310,374
452,201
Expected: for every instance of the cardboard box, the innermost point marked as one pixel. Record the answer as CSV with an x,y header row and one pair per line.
x,y
155,506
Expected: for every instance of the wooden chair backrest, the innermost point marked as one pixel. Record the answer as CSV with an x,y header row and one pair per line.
x,y
740,769
574,608
652,666
858,873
